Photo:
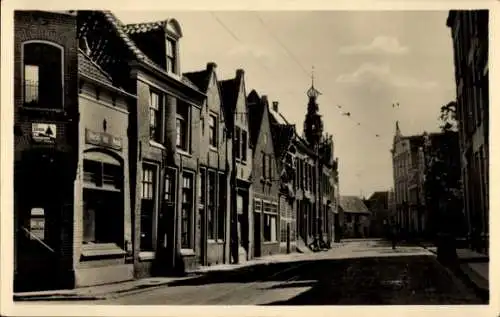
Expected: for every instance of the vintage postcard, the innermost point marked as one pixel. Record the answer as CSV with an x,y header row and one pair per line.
x,y
267,159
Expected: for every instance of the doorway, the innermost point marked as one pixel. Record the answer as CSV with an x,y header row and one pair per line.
x,y
257,235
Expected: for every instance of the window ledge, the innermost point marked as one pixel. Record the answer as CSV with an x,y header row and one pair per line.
x,y
269,242
156,144
102,249
213,148
187,252
183,153
30,108
215,241
146,255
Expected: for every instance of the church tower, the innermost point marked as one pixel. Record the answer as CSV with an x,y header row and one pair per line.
x,y
313,124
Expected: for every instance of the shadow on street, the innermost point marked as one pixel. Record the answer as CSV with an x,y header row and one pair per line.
x,y
415,280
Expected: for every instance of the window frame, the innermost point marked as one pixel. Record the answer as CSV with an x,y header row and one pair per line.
x,y
62,75
172,44
154,169
191,216
244,145
157,135
185,119
213,130
212,206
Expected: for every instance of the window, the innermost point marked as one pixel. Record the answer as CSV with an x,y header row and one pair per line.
x,y
221,216
102,202
147,207
169,187
203,187
187,210
237,138
270,227
182,126
264,165
155,116
270,176
244,145
212,133
202,119
212,191
171,58
42,76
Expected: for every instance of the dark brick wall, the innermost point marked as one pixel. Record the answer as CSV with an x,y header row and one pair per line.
x,y
59,29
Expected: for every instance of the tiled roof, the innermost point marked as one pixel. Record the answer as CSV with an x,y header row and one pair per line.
x,y
199,78
87,67
123,30
134,28
282,136
278,117
353,204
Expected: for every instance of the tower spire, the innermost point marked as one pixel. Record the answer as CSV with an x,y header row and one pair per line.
x,y
313,93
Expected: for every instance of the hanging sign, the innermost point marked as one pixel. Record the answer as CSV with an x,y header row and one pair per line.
x,y
44,132
37,223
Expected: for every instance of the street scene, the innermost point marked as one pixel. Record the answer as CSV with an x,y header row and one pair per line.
x,y
204,158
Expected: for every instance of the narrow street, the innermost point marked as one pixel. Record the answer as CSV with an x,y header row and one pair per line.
x,y
358,273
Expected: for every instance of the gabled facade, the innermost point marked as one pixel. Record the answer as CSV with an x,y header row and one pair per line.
x,y
266,220
356,216
215,171
163,161
236,114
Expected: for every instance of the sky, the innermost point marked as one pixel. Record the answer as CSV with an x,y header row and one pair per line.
x,y
364,62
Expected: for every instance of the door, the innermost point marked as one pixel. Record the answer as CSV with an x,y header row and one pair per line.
x,y
257,234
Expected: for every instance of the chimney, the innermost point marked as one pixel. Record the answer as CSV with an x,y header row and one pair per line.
x,y
240,73
275,106
211,65
264,99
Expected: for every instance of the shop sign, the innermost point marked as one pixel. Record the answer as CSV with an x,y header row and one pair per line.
x,y
103,139
44,132
37,223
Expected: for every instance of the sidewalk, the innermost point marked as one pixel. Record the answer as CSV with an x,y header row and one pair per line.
x,y
101,292
474,268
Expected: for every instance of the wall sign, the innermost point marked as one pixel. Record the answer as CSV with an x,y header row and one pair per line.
x,y
103,139
44,132
37,223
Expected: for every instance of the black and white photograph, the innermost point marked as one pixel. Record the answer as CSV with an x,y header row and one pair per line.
x,y
283,157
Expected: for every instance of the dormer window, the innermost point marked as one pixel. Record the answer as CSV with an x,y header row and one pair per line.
x,y
171,56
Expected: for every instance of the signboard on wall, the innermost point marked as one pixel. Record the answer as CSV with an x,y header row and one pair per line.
x,y
103,139
37,223
44,132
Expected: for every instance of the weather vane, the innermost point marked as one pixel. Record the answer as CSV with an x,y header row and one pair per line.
x,y
313,92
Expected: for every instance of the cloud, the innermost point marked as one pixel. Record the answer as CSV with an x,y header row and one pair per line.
x,y
376,74
380,44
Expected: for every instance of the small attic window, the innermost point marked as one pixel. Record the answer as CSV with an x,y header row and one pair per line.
x,y
84,45
171,55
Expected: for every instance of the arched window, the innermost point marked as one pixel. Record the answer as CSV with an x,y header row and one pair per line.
x,y
42,75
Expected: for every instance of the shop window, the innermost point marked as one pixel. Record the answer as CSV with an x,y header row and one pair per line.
x,y
270,223
221,216
169,187
203,187
42,75
182,126
148,207
211,204
187,211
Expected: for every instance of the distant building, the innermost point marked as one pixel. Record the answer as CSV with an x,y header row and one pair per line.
x,y
356,217
469,32
378,204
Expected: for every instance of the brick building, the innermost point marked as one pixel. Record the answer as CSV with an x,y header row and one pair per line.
x,y
215,171
265,178
234,103
469,32
45,147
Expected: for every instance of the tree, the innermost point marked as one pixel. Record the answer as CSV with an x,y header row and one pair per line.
x,y
442,185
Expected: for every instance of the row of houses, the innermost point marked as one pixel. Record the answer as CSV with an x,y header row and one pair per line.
x,y
126,167
467,148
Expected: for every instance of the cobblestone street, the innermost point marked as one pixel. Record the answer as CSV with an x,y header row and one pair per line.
x,y
357,273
